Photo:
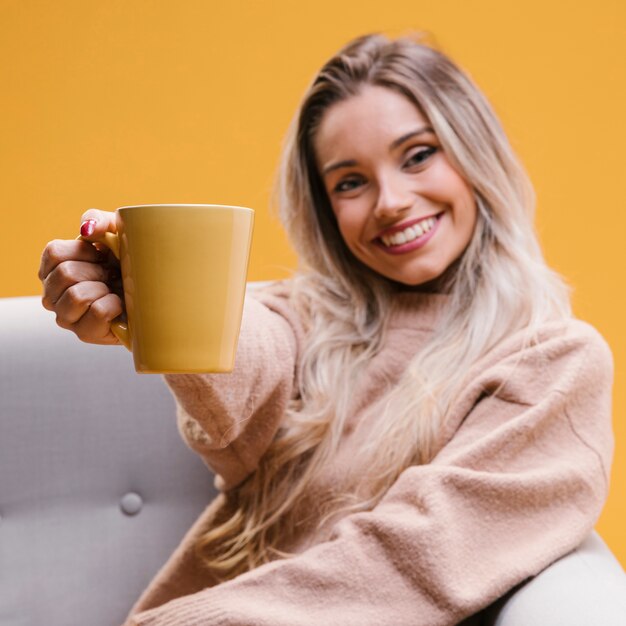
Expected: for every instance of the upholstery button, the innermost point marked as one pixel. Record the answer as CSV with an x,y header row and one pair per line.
x,y
131,503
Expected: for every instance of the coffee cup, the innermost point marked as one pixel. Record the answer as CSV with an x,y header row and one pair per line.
x,y
184,269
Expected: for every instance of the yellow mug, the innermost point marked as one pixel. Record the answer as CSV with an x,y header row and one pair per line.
x,y
184,269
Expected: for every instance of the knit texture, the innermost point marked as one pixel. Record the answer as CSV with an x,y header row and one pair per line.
x,y
519,481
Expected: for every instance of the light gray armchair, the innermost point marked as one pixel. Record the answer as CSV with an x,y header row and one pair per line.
x,y
97,488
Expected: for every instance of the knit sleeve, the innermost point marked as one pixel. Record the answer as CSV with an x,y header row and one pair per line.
x,y
519,483
230,419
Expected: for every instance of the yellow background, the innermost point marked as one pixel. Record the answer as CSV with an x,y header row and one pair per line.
x,y
109,103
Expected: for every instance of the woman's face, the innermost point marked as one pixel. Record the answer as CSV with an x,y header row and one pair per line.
x,y
402,209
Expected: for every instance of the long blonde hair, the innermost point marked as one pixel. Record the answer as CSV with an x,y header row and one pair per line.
x,y
500,285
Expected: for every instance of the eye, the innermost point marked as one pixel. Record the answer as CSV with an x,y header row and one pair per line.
x,y
419,156
349,183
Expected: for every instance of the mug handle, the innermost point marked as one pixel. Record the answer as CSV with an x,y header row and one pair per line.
x,y
118,327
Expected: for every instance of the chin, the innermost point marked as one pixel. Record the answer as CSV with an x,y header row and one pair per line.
x,y
431,281
418,281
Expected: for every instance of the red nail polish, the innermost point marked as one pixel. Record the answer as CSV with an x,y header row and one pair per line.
x,y
87,228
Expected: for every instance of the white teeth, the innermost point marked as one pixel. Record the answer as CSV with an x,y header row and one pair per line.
x,y
410,233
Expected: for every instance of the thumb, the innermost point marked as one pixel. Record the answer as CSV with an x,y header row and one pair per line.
x,y
94,223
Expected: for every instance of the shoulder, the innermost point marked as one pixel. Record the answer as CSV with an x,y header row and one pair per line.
x,y
271,303
553,340
272,295
557,354
587,341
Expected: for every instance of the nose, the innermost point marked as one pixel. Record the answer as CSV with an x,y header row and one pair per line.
x,y
393,198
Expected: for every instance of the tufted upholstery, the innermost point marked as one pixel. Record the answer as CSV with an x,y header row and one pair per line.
x,y
96,489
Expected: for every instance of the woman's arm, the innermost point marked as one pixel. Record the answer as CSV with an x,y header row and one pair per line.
x,y
230,419
521,483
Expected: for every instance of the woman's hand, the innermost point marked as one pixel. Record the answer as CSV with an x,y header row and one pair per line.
x,y
81,281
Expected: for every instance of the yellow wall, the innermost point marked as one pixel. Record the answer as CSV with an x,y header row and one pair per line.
x,y
113,102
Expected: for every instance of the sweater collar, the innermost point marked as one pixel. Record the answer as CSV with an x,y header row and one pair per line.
x,y
417,310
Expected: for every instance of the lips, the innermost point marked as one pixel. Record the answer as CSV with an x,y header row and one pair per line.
x,y
408,235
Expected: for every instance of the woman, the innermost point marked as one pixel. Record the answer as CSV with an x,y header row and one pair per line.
x,y
416,424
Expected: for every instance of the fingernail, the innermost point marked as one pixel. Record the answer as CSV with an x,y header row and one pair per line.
x,y
87,228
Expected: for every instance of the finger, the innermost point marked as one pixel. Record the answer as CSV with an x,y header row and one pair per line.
x,y
95,325
69,273
61,250
76,301
94,223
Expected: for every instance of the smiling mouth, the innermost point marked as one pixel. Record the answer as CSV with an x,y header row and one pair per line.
x,y
411,233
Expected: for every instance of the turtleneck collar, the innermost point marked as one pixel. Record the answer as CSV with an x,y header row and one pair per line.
x,y
416,309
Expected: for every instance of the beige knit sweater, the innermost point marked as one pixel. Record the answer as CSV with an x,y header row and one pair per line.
x,y
520,480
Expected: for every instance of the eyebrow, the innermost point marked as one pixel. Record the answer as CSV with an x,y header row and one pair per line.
x,y
414,133
394,144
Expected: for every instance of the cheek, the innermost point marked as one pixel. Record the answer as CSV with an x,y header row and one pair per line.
x,y
467,203
343,227
348,222
461,198
350,236
467,217
446,185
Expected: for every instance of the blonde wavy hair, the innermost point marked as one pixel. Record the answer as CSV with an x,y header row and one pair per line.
x,y
500,285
